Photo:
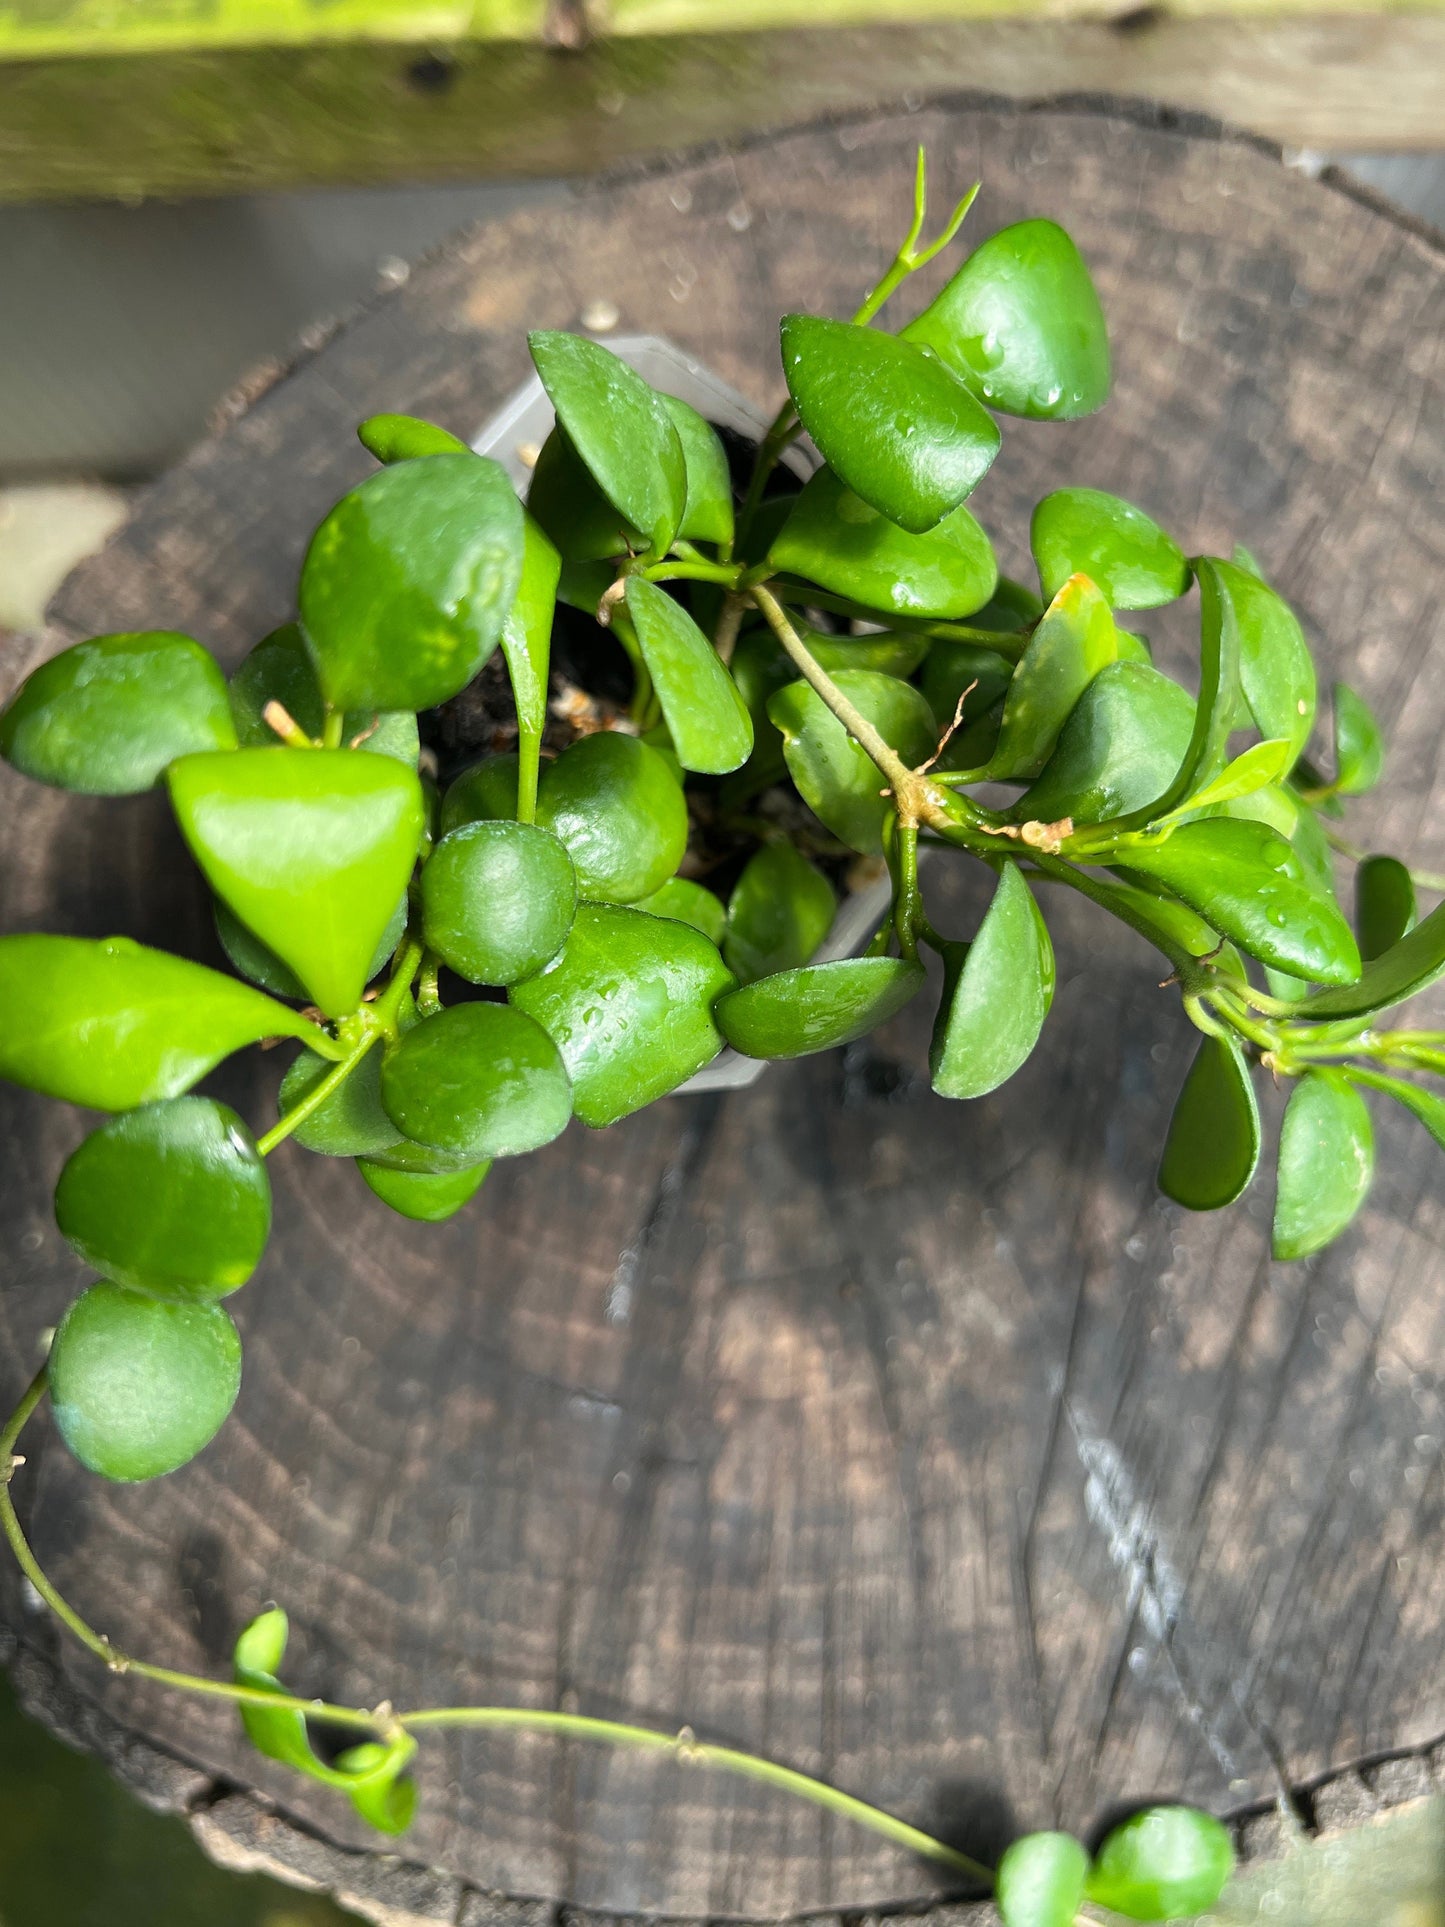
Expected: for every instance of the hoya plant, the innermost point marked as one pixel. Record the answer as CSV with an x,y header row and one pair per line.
x,y
735,683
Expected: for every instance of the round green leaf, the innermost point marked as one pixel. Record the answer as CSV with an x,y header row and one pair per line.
x,y
280,669
833,538
140,1385
1163,1864
1359,747
1021,323
902,431
706,717
350,1122
310,847
1119,749
407,582
1040,1881
1326,1163
254,960
498,900
1276,670
615,805
1084,531
629,1005
836,777
1213,1144
621,430
1384,904
997,993
422,1160
106,717
478,1081
428,1198
780,910
688,902
1075,639
818,1006
708,516
402,438
171,1199
112,1024
891,652
486,791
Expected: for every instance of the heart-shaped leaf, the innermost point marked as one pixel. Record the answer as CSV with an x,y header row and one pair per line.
x,y
1407,968
1021,323
706,717
349,1122
426,1197
1276,670
497,900
688,902
1326,1162
478,1081
1120,747
1359,747
112,1024
902,431
408,581
1074,640
614,803
280,669
1212,1148
629,1005
1162,1864
818,1006
833,538
403,438
1084,531
1248,882
780,910
1384,904
1041,1880
171,1199
997,993
106,717
310,847
527,646
836,777
262,966
620,429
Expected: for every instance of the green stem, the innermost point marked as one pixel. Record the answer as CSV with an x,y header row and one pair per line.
x,y
331,729
529,758
728,573
1184,962
318,1093
908,914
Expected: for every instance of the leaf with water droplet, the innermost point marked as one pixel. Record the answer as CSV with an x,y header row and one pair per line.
x,y
997,993
1135,563
1326,1162
1402,971
1212,1148
818,1006
477,1081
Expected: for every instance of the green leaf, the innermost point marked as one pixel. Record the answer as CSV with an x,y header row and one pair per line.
x,y
379,1789
629,1004
1407,968
902,431
997,993
106,717
1212,1148
280,669
780,910
964,672
706,717
565,502
833,538
497,900
112,1024
836,777
254,960
1162,1864
708,516
621,430
1249,883
1384,904
1041,1880
614,803
1021,323
1326,1162
478,1081
1276,670
428,1198
1120,747
1074,640
891,652
688,902
350,1123
310,847
1257,767
171,1199
818,1006
527,646
1359,747
484,792
1427,1106
402,438
1011,608
1082,531
408,581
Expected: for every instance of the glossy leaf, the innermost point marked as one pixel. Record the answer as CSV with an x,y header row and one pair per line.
x,y
112,1024
629,1003
408,581
836,777
1276,670
262,966
350,1122
1255,768
1163,919
892,422
583,525
1326,1163
1041,1880
1409,967
891,652
833,538
1021,323
997,993
1359,747
171,1199
426,1197
1212,1148
615,805
1163,1864
708,516
1384,904
423,1160
527,646
706,717
379,1789
478,1081
1120,748
1012,608
621,430
497,900
964,672
139,1385
280,669
1428,1106
106,717
780,910
1248,882
688,902
486,791
818,1006
1084,531
1074,640
402,438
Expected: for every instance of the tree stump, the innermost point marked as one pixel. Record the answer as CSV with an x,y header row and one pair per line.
x,y
920,1445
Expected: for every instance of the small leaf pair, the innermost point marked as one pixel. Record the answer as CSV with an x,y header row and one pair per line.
x,y
1162,1864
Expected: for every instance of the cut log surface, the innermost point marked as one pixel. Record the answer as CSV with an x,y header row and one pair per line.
x,y
919,1445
